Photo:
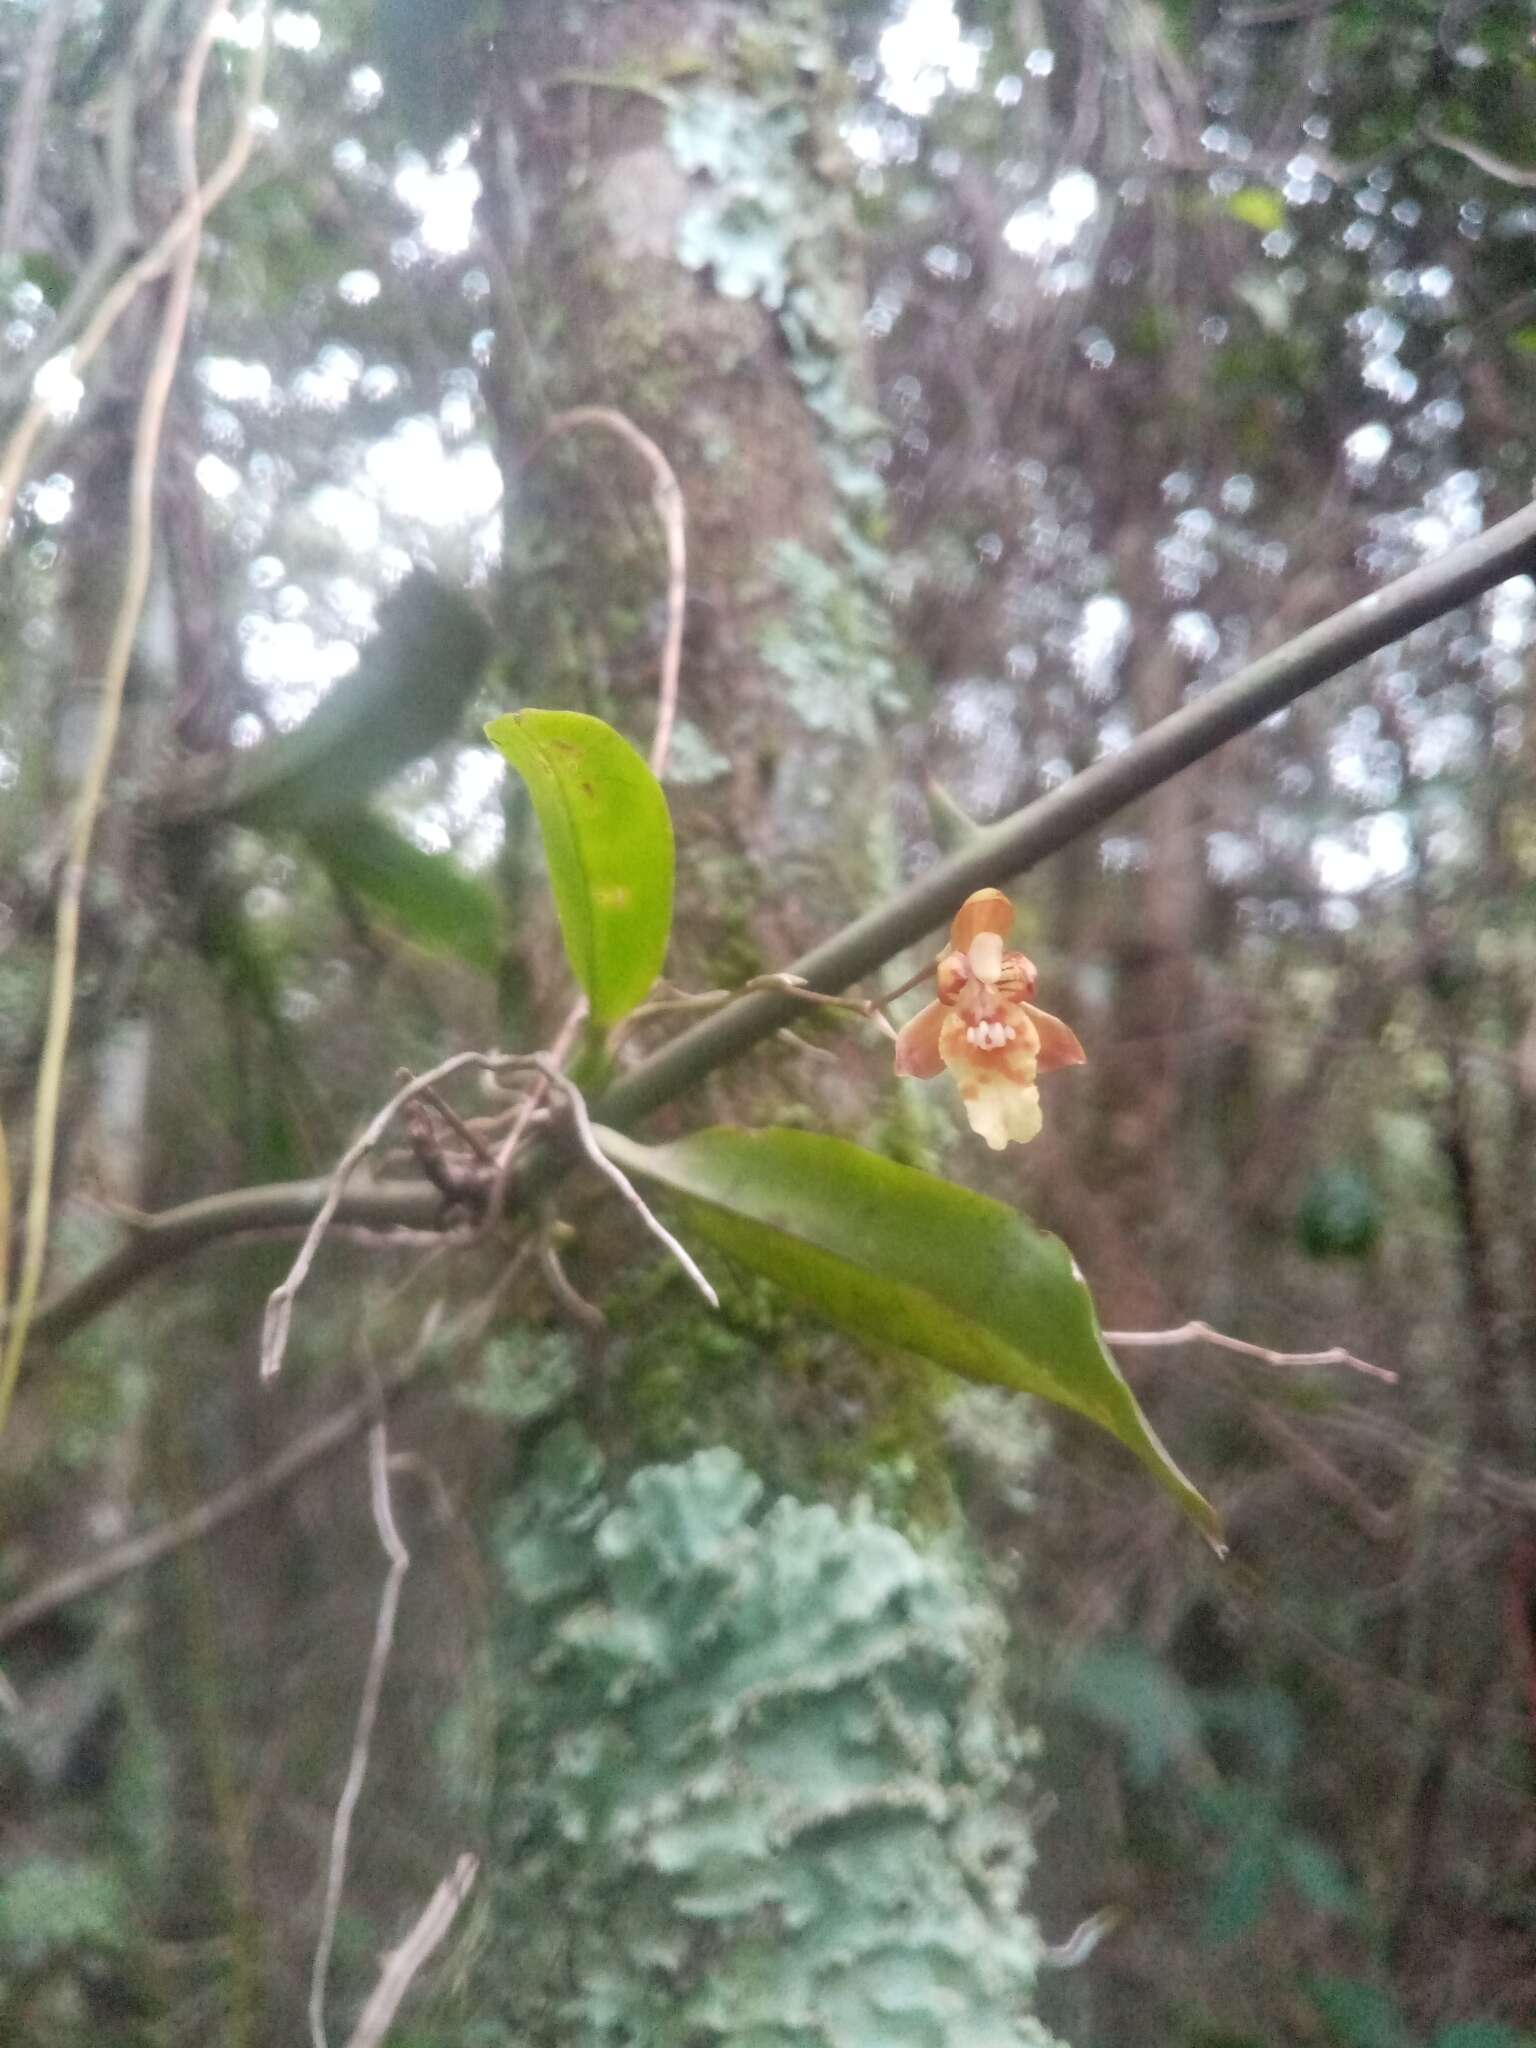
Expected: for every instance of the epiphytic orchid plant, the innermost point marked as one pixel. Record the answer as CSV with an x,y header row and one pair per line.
x,y
901,1259
984,1029
897,1257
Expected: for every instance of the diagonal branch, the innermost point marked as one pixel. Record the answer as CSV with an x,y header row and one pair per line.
x,y
996,855
1023,840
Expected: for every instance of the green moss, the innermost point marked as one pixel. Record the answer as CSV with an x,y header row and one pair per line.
x,y
818,1414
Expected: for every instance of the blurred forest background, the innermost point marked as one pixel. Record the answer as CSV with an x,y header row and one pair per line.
x,y
1025,367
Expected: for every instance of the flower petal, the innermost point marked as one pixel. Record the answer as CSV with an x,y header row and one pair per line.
x,y
1058,1041
987,911
917,1044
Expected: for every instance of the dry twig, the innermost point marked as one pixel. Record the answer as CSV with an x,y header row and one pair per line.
x,y
1522,176
1202,1333
27,111
403,1963
367,1713
137,1553
667,496
279,1311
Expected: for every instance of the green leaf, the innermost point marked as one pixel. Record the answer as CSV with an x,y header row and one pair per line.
x,y
900,1257
1257,206
405,697
1358,2015
425,895
1124,1687
608,841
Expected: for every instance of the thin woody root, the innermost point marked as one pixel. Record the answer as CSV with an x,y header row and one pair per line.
x,y
470,1177
279,1311
403,1963
626,1189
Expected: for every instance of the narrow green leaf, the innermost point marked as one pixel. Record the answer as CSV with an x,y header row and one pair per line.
x,y
406,696
608,841
900,1257
425,895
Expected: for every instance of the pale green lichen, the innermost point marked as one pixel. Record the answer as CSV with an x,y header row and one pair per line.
x,y
831,643
694,759
767,226
754,1776
524,1375
745,224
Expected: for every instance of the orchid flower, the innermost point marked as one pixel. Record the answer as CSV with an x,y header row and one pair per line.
x,y
983,1028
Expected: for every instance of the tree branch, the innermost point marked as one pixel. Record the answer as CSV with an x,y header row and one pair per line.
x,y
1202,1333
238,1498
166,1239
1520,175
996,855
1021,841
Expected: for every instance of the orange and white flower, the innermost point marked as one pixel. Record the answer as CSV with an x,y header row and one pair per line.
x,y
984,1029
